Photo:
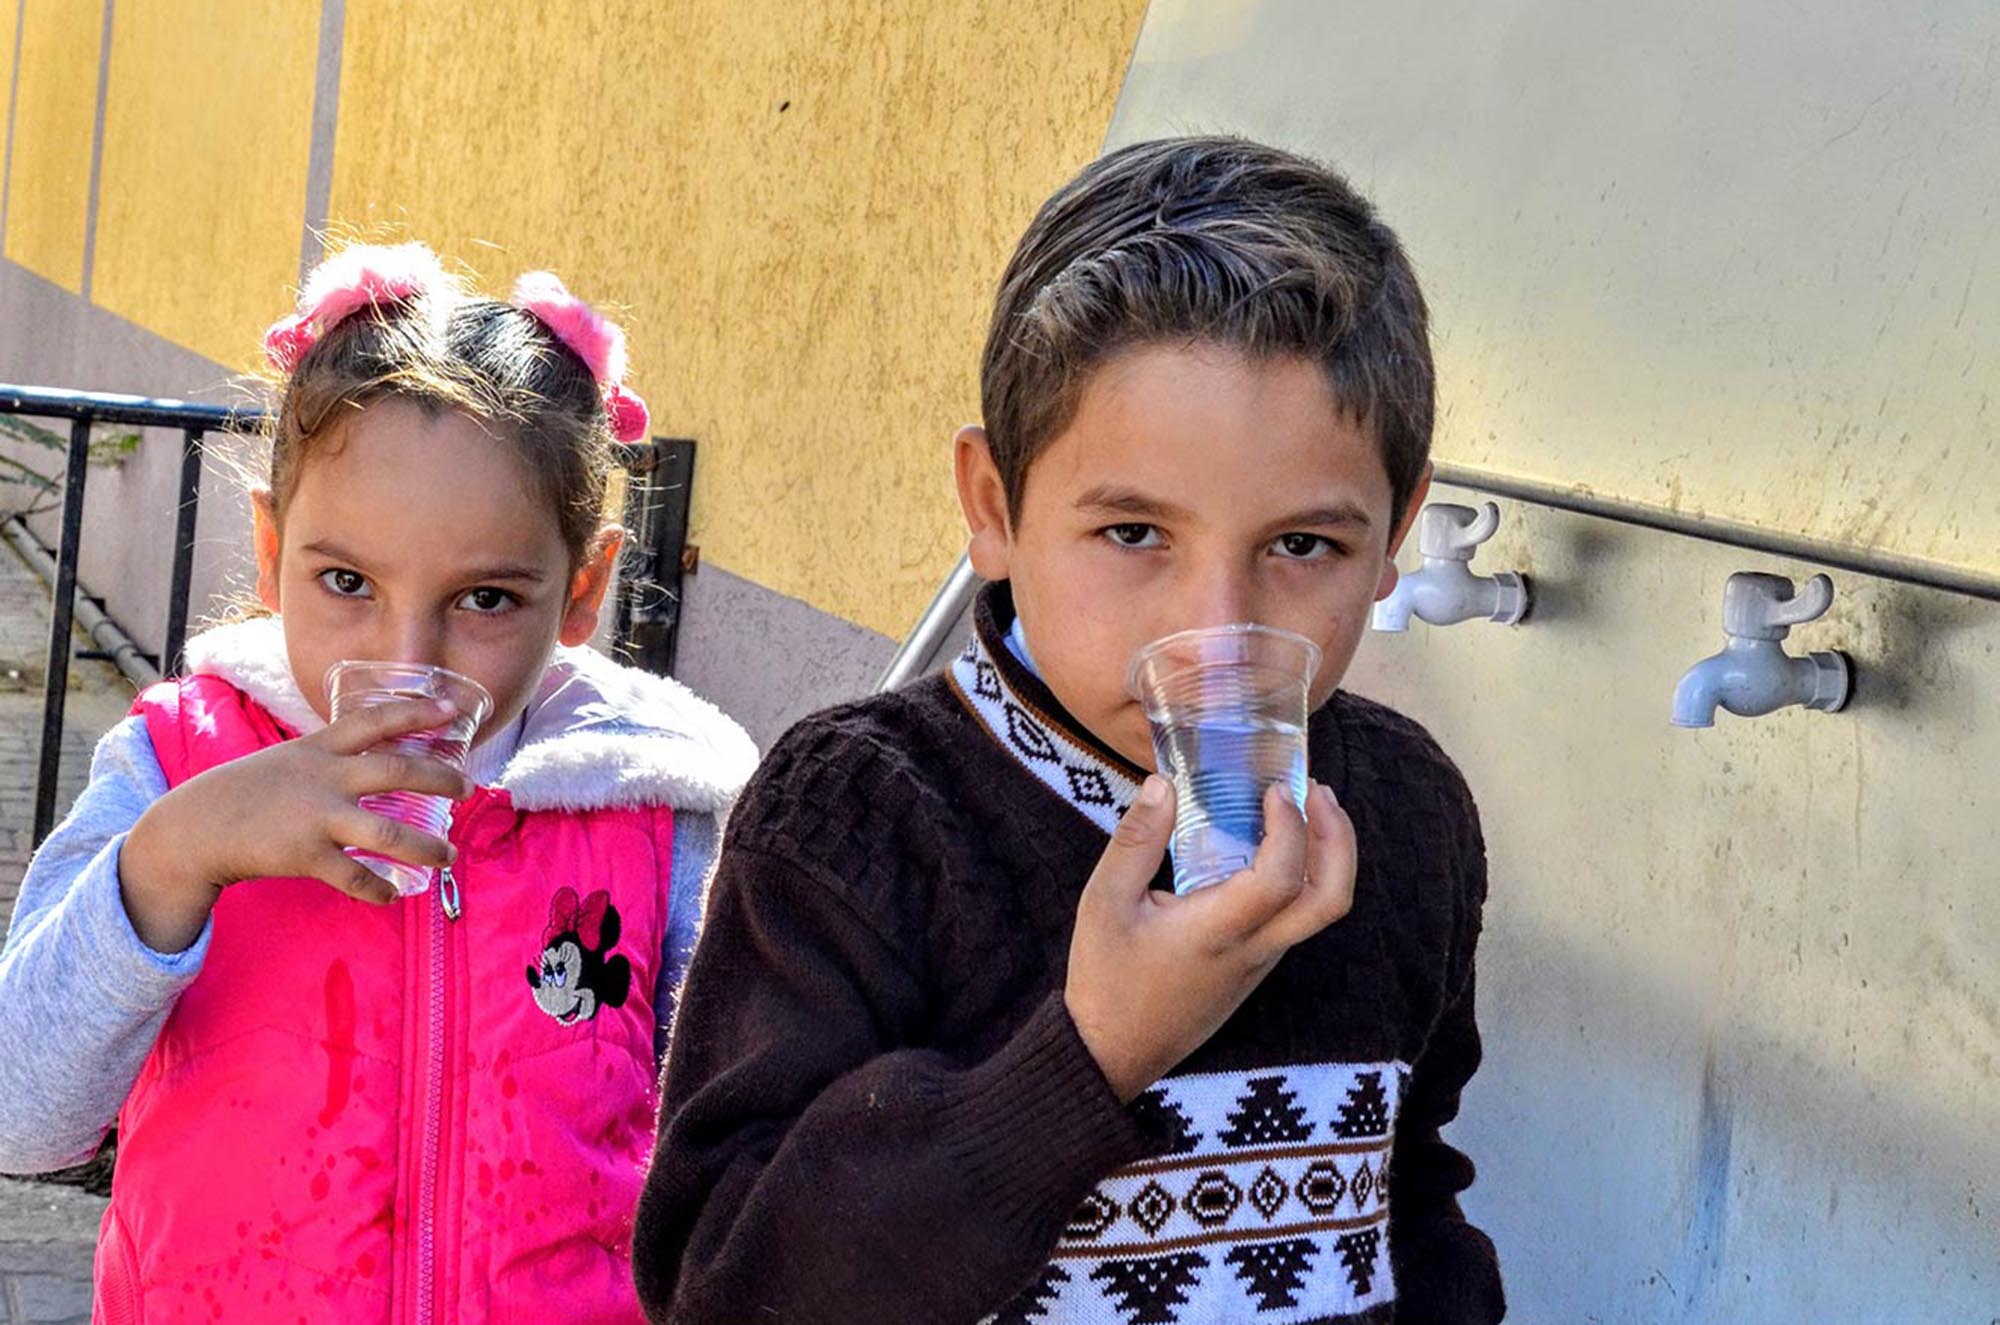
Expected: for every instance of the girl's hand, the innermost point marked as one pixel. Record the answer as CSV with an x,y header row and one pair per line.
x,y
287,811
1152,975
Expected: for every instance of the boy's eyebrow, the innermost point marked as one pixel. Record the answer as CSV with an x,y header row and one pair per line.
x,y
1340,513
1124,501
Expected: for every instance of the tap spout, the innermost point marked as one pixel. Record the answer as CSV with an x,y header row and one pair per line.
x,y
1752,677
1445,592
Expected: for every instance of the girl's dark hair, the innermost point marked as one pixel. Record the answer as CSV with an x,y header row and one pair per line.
x,y
443,350
1208,239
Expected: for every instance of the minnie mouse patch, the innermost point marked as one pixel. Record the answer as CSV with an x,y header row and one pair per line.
x,y
578,973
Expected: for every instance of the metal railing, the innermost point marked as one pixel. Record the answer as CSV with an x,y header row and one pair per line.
x,y
83,410
647,607
934,629
1880,563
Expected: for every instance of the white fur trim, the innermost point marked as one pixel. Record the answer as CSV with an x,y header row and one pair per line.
x,y
600,734
596,735
250,655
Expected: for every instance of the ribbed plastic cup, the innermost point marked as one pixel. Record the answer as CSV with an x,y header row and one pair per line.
x,y
1227,706
355,685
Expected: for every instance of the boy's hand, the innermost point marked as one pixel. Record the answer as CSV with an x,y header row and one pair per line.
x,y
1152,975
287,811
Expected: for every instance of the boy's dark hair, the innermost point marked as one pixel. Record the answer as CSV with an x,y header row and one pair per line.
x,y
1208,239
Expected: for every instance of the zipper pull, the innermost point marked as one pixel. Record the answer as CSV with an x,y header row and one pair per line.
x,y
448,893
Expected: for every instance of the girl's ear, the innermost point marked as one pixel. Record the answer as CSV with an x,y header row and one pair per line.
x,y
982,495
264,525
1411,509
589,585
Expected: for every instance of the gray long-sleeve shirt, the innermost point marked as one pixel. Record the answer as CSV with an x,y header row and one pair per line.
x,y
82,998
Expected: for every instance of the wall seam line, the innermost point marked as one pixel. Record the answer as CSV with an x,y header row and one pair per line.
x,y
13,99
97,151
325,121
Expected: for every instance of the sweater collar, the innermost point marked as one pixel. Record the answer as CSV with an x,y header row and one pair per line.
x,y
594,735
1020,712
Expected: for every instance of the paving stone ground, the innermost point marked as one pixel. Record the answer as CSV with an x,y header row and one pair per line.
x,y
48,1232
98,698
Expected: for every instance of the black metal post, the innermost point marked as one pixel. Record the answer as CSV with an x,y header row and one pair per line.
x,y
55,684
640,459
184,517
655,622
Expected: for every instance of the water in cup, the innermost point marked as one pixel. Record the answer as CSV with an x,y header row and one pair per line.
x,y
354,685
1227,705
1220,770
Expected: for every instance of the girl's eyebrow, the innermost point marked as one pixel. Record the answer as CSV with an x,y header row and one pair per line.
x,y
528,574
506,571
326,547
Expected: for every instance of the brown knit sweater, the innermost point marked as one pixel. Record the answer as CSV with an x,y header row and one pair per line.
x,y
878,1110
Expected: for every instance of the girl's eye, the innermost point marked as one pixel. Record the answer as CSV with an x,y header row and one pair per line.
x,y
487,601
1303,547
344,583
1132,535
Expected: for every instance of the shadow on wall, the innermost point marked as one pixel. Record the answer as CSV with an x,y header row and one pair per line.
x,y
1740,986
1730,1171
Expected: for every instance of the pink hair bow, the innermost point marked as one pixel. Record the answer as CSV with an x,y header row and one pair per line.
x,y
357,277
593,338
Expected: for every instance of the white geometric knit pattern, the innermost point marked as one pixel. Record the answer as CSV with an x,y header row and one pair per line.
x,y
1272,1205
1098,791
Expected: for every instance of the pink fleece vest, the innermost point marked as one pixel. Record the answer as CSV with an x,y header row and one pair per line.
x,y
360,1113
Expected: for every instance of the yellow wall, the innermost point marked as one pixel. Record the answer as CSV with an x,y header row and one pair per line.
x,y
805,207
55,114
1708,256
8,32
209,179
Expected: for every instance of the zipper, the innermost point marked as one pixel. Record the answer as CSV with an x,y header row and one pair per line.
x,y
433,1127
438,918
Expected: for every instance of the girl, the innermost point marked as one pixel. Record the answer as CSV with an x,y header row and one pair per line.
x,y
335,1104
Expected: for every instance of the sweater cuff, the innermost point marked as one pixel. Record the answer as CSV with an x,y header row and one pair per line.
x,y
129,973
1035,1126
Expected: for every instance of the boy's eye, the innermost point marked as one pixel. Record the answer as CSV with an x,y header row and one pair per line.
x,y
487,601
1303,547
1132,535
344,583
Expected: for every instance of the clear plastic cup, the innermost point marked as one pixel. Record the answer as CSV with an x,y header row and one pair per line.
x,y
355,685
1227,706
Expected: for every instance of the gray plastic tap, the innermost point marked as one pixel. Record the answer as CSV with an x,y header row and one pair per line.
x,y
1753,674
1445,591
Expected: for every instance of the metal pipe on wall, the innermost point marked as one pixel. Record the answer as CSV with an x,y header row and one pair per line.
x,y
918,652
103,631
1863,560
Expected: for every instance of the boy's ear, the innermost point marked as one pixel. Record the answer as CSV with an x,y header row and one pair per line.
x,y
982,495
1411,509
264,533
589,585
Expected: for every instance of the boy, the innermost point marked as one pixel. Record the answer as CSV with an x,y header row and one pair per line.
x,y
947,1052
